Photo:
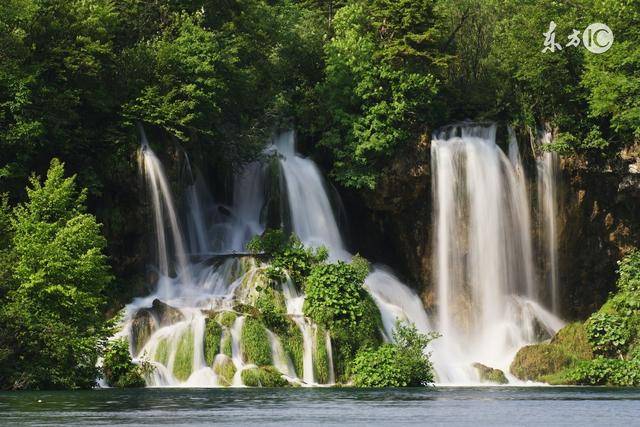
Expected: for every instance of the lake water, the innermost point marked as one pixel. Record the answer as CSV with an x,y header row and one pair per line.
x,y
433,406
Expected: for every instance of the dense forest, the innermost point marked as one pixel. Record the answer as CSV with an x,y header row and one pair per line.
x,y
363,83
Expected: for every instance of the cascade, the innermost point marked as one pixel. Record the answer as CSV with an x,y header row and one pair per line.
x,y
488,304
483,262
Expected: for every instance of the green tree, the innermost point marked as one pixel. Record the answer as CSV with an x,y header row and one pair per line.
x,y
380,86
53,322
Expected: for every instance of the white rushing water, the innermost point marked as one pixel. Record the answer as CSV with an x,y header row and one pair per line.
x,y
483,262
487,295
547,163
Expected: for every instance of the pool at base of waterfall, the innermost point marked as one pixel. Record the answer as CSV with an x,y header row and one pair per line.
x,y
344,406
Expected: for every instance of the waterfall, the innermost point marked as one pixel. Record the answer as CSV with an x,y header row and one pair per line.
x,y
313,219
487,299
482,251
163,210
547,164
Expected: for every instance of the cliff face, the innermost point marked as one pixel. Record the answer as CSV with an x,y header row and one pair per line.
x,y
598,219
600,223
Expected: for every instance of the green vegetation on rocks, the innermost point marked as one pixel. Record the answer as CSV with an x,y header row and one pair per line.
x,y
162,352
320,356
602,351
255,342
224,369
292,342
287,256
489,374
264,376
226,318
183,363
212,337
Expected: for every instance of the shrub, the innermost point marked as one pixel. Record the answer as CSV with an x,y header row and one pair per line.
x,y
336,299
603,371
287,256
609,334
265,376
212,336
402,364
118,368
255,342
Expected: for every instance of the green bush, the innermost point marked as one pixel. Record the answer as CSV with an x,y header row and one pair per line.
x,y
402,364
264,376
603,371
212,336
533,362
118,368
287,256
255,342
609,334
336,299
162,352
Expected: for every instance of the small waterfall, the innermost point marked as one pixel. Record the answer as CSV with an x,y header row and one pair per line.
x,y
312,214
547,164
163,205
482,251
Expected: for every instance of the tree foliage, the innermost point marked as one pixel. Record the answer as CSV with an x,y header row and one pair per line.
x,y
53,321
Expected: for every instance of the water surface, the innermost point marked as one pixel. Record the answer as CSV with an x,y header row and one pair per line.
x,y
433,406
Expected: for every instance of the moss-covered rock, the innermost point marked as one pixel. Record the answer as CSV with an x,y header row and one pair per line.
x,y
225,369
489,374
162,352
264,376
226,318
143,326
320,356
255,342
226,345
532,362
212,336
183,363
293,344
573,339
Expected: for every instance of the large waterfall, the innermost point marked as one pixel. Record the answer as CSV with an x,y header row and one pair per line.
x,y
487,307
483,258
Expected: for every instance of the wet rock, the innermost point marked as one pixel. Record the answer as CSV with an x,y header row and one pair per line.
x,y
142,327
489,374
148,320
166,314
